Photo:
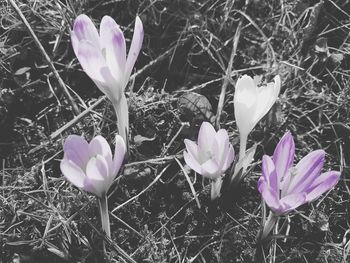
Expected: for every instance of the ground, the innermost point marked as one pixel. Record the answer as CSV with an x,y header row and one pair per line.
x,y
176,85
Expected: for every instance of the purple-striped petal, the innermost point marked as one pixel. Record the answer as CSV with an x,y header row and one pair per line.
x,y
84,29
307,170
292,201
323,183
135,47
113,43
76,149
269,173
72,172
283,156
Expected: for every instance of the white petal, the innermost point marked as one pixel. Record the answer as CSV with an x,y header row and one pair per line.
x,y
135,47
73,173
119,154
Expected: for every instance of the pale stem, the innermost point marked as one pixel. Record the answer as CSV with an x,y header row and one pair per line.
x,y
103,207
269,224
242,145
215,188
122,112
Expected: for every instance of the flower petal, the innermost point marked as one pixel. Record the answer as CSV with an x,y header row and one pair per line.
x,y
229,159
119,154
99,146
192,149
323,183
192,162
72,172
206,137
244,101
211,169
135,47
97,173
270,197
76,149
113,43
270,174
306,171
267,96
283,156
292,201
84,29
95,66
223,146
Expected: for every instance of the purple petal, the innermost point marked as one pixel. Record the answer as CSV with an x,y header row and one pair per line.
x,y
211,169
135,47
192,162
119,154
99,146
292,201
76,149
269,173
306,171
206,138
113,42
192,149
84,29
283,156
72,172
270,197
322,184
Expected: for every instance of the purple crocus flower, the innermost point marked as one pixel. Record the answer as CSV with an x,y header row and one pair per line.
x,y
91,166
212,156
284,187
103,57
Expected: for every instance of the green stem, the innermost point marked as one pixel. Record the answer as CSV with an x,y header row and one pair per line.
x,y
242,145
215,188
103,206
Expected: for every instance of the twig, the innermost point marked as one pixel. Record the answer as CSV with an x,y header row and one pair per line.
x,y
228,73
61,83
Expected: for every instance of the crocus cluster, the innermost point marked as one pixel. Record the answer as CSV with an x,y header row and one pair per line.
x,y
211,156
103,57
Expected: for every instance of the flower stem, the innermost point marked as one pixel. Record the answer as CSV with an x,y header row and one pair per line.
x,y
215,188
122,112
103,206
269,225
242,145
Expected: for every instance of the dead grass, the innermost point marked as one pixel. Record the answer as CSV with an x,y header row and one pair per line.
x,y
188,46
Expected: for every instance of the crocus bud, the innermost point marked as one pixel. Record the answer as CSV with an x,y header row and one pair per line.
x,y
103,57
251,104
91,166
212,156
